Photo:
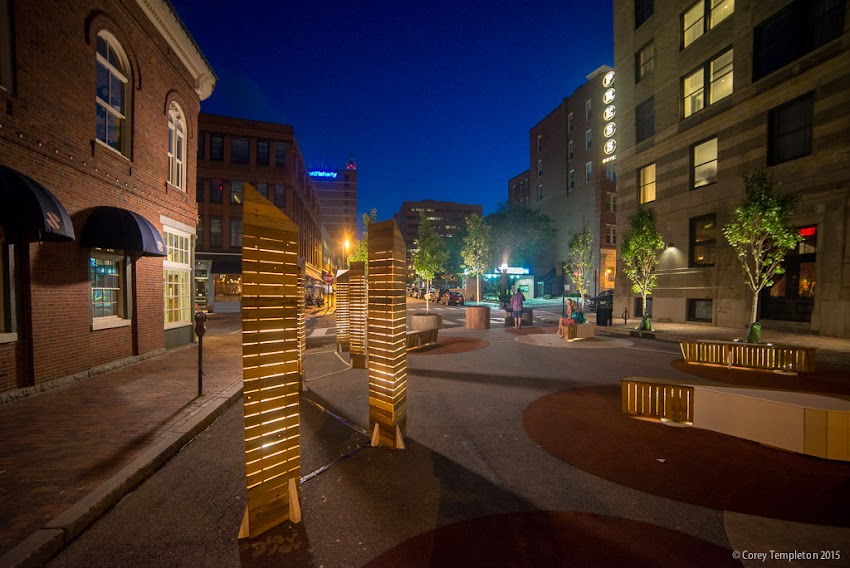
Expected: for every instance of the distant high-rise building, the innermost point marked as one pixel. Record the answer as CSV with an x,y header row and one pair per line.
x,y
447,218
337,192
571,179
706,92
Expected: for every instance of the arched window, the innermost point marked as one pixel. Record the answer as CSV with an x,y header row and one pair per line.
x,y
176,147
113,93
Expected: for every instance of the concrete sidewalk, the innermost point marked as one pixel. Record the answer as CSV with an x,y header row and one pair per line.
x,y
68,455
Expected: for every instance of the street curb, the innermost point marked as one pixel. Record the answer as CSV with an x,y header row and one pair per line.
x,y
43,544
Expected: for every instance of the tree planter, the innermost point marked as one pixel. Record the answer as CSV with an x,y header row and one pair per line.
x,y
419,322
477,317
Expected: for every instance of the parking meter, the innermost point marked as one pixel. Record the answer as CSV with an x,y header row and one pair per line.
x,y
200,330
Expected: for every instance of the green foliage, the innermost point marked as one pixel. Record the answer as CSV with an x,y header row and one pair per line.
x,y
639,251
360,250
760,233
580,259
431,254
454,263
519,234
476,250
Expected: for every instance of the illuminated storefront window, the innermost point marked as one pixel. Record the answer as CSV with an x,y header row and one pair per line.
x,y
227,287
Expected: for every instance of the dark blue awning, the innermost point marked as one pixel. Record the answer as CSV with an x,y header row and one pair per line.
x,y
120,229
28,210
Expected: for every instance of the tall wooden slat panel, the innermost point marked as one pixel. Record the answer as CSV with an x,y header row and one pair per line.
x,y
387,335
357,313
302,322
270,365
343,337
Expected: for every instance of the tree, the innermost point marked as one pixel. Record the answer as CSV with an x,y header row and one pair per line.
x,y
761,236
430,256
360,250
518,234
454,264
640,255
476,250
580,259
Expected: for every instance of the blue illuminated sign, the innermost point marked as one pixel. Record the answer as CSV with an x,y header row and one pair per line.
x,y
321,174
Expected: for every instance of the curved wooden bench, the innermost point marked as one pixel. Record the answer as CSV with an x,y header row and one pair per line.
x,y
420,337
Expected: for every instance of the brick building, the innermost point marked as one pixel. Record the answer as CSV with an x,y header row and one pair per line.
x,y
232,152
709,91
571,178
96,226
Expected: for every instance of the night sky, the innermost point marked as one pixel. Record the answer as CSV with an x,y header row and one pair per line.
x,y
434,100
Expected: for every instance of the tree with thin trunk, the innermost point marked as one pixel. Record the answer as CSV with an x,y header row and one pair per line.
x,y
430,256
476,250
761,236
360,251
580,260
519,234
639,252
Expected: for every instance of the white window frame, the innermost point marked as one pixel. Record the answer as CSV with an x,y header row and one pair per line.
x,y
539,168
572,182
176,147
122,318
610,234
123,75
588,139
587,107
570,123
588,172
539,143
177,278
571,153
612,202
539,192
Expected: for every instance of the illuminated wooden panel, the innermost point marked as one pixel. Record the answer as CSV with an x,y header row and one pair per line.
x,y
657,400
357,314
750,355
343,337
302,322
270,365
387,334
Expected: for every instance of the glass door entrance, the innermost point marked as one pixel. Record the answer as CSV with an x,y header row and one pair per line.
x,y
792,297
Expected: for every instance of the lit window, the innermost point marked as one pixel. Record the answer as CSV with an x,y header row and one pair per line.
x,y
176,275
106,281
704,160
176,147
646,179
717,73
113,90
588,172
693,23
645,62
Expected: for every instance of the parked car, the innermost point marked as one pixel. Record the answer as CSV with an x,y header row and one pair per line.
x,y
451,298
605,298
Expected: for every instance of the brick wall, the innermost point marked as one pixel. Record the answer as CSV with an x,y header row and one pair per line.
x,y
47,131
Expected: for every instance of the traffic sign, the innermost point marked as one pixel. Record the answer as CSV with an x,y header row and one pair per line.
x,y
329,278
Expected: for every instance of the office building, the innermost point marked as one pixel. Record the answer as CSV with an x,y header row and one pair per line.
x,y
710,91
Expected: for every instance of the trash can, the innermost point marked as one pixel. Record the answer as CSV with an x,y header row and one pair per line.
x,y
604,314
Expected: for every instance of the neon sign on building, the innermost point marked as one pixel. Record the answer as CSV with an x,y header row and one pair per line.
x,y
321,174
610,146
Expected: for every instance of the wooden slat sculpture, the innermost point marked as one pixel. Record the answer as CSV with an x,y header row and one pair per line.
x,y
271,378
387,335
302,321
343,337
357,314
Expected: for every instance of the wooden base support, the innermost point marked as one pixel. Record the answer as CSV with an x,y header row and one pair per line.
x,y
376,437
294,511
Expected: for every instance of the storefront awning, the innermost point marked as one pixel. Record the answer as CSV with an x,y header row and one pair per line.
x,y
29,210
120,229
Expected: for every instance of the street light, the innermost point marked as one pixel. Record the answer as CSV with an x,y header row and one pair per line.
x,y
345,252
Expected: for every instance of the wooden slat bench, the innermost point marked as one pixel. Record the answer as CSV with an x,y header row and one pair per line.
x,y
580,331
420,337
749,355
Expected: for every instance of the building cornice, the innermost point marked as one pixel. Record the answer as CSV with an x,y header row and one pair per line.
x,y
171,27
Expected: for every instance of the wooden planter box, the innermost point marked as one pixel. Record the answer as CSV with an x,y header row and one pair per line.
x,y
750,355
477,317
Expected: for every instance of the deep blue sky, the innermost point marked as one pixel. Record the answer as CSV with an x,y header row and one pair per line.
x,y
433,99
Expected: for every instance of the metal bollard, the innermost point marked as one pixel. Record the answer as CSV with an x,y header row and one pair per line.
x,y
626,316
200,330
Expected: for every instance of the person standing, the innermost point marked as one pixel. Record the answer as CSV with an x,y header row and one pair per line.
x,y
516,308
